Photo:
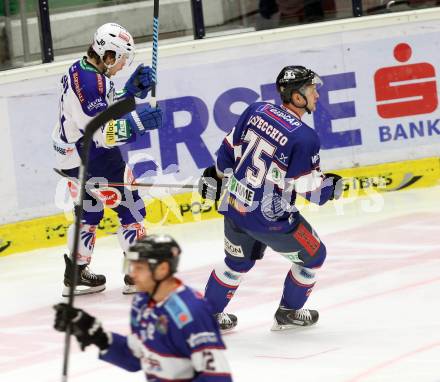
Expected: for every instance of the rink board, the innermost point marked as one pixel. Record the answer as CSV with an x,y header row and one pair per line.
x,y
182,208
379,102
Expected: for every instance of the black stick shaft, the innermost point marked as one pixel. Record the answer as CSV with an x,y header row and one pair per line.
x,y
115,111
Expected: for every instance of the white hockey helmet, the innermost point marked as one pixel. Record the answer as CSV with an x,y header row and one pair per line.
x,y
112,36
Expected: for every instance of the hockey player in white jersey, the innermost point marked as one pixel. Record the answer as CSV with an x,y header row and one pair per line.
x,y
86,90
174,336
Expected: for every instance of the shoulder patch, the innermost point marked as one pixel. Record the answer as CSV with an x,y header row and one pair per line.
x,y
178,311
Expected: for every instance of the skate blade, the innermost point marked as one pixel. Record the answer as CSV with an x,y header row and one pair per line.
x,y
129,289
277,327
81,290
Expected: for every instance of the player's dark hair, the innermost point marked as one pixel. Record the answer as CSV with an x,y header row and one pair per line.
x,y
93,55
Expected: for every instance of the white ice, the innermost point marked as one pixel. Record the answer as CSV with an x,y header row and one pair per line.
x,y
378,295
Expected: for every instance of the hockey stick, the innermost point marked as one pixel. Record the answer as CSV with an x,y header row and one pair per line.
x,y
115,111
97,184
154,51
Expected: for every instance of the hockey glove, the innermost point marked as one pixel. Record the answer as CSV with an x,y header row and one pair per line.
x,y
86,328
144,118
140,82
210,185
337,185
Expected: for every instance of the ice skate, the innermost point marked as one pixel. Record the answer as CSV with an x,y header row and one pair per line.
x,y
290,318
129,287
87,281
226,321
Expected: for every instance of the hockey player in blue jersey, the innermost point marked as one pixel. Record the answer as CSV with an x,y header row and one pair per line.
x,y
268,158
86,90
174,335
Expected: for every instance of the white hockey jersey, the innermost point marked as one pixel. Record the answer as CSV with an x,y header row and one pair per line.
x,y
85,93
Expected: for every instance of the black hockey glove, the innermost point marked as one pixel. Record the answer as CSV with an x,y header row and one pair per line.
x,y
337,185
86,328
210,185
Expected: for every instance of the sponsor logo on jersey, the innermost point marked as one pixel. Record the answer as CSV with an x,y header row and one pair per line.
x,y
276,175
97,104
232,249
197,339
77,87
100,83
240,191
62,150
284,118
236,205
272,132
178,311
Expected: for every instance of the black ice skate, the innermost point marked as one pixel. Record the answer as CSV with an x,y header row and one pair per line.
x,y
290,318
129,287
226,321
87,281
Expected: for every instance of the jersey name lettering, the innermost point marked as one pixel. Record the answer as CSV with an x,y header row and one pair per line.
x,y
268,129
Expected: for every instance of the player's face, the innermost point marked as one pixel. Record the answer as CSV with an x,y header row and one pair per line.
x,y
311,93
142,276
119,66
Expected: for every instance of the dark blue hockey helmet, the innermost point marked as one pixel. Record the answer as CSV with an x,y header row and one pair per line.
x,y
294,78
155,249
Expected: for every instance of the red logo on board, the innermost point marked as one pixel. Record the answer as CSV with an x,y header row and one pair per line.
x,y
404,90
109,196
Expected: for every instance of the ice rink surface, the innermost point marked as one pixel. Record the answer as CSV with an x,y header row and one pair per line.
x,y
378,295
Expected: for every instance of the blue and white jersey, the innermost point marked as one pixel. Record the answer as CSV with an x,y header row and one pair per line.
x,y
270,156
84,93
177,339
